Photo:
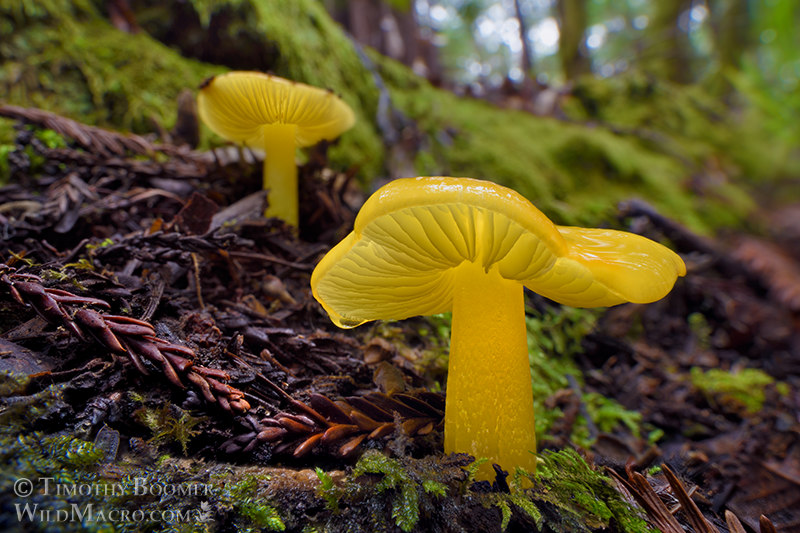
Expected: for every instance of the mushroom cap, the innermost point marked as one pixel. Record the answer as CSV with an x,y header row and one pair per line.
x,y
238,105
410,234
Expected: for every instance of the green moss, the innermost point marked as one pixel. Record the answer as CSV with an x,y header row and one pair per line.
x,y
568,495
690,122
405,505
515,499
84,68
578,171
701,329
258,514
16,15
382,489
554,338
608,414
741,391
585,498
5,170
327,490
169,424
10,384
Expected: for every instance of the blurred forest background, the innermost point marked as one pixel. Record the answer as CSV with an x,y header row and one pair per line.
x,y
688,104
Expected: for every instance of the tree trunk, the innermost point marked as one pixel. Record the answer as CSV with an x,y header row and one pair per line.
x,y
572,48
668,53
391,31
730,23
527,55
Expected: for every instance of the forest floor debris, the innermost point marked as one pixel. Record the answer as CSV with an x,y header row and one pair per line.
x,y
150,310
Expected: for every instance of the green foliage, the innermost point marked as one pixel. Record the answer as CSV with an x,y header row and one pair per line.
x,y
554,338
405,507
518,498
5,170
767,81
73,62
585,498
407,488
701,329
739,391
60,460
473,467
50,138
260,515
73,452
328,490
14,14
10,384
694,127
559,332
434,487
608,414
527,506
169,423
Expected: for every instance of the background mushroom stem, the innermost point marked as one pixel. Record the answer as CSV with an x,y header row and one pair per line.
x,y
280,172
489,409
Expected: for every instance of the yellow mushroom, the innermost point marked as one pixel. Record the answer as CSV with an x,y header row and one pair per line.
x,y
275,115
422,246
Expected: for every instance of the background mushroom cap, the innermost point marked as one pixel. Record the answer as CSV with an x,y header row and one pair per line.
x,y
398,261
238,105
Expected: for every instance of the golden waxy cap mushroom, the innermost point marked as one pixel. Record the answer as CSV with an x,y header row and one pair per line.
x,y
422,246
275,115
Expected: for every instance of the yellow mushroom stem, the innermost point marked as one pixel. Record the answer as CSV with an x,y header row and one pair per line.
x,y
489,408
280,172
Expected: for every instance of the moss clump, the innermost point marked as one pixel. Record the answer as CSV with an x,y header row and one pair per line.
x,y
574,173
741,391
514,500
382,490
407,486
75,63
169,423
692,123
254,514
554,338
585,498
